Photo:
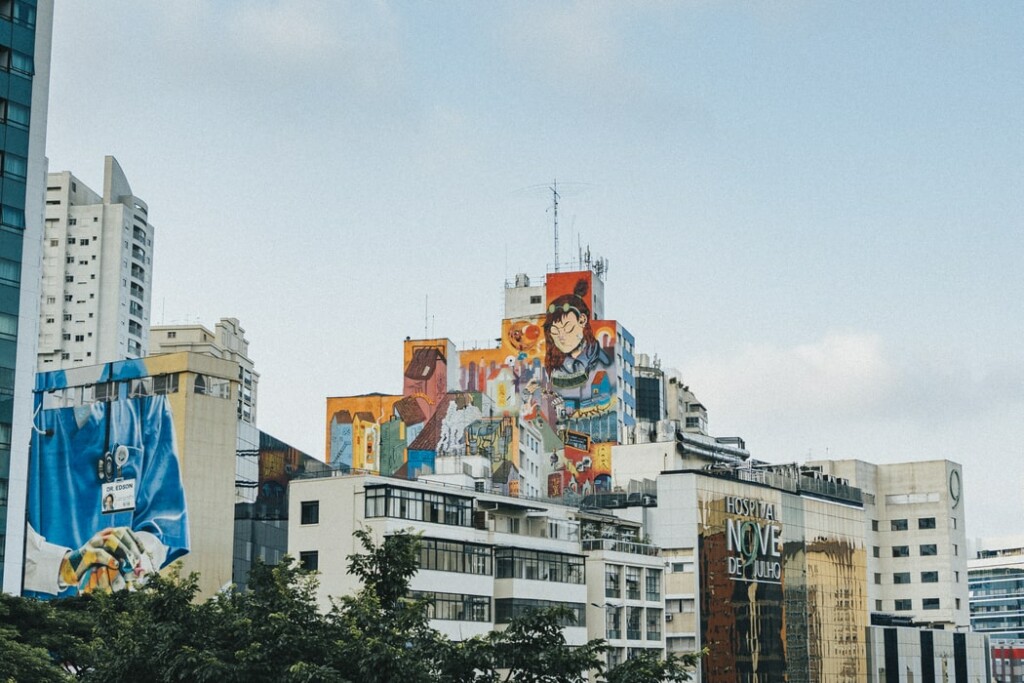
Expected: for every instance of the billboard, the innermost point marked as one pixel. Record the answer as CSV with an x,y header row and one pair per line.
x,y
106,504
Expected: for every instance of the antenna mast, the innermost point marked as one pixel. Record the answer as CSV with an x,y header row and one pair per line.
x,y
554,196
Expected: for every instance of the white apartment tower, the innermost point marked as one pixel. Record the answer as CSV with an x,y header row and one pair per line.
x,y
97,272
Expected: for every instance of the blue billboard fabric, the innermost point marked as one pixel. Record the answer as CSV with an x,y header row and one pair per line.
x,y
65,484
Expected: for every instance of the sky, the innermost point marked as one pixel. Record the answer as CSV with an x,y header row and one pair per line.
x,y
813,210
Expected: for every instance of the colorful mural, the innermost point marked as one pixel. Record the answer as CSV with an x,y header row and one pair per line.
x,y
106,503
552,376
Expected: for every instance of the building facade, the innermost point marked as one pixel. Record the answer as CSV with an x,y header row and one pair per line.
x,y
146,445
227,341
915,522
25,39
97,272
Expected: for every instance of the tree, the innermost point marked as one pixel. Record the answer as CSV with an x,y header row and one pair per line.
x,y
384,635
648,667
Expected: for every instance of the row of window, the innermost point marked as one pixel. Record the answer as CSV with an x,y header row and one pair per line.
x,y
906,604
904,577
613,576
422,506
19,12
456,606
517,563
640,622
71,397
924,550
454,556
904,525
507,609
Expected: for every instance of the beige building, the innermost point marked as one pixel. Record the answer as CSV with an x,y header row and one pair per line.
x,y
227,341
163,428
97,272
914,521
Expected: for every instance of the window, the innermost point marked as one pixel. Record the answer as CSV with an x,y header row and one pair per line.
x,y
878,605
926,523
535,299
456,606
536,565
455,556
956,549
929,577
84,242
15,166
172,334
165,384
506,609
310,512
902,605
654,621
899,525
10,270
69,278
309,560
654,584
18,114
54,243
876,551
612,581
632,583
391,501
901,551
874,525
901,577
79,337
613,623
930,603
634,616
878,578
929,549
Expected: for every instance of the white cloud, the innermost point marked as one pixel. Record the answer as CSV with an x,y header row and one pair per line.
x,y
840,373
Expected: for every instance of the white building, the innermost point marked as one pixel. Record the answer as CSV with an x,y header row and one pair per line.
x,y
487,558
915,530
996,580
97,272
227,342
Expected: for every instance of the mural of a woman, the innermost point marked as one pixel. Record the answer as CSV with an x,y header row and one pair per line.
x,y
572,350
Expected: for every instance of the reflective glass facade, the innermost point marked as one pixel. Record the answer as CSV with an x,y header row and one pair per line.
x,y
22,174
783,592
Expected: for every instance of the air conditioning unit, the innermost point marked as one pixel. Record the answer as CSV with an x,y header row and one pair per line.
x,y
668,616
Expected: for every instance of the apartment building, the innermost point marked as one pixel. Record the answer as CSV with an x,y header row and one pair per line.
x,y
487,558
97,272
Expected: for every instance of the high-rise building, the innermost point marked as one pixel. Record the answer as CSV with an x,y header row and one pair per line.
x,y
25,36
97,272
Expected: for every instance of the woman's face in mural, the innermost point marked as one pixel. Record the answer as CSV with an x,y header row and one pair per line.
x,y
567,333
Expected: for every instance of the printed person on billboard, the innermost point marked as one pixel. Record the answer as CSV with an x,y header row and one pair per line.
x,y
572,349
106,503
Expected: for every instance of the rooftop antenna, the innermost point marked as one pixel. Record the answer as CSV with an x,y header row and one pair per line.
x,y
554,198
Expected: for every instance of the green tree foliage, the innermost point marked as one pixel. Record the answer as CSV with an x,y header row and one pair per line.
x,y
274,631
648,667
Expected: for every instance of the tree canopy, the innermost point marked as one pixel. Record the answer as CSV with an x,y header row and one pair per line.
x,y
274,632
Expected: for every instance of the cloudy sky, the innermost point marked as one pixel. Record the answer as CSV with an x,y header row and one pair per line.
x,y
813,210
